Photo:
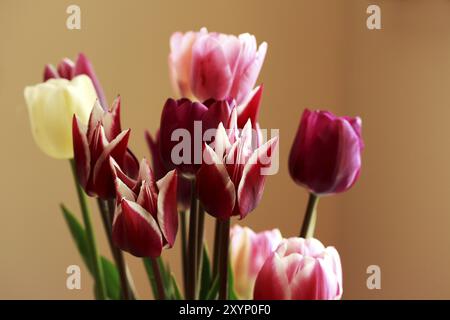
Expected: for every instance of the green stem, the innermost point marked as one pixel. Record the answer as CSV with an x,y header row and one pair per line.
x,y
223,263
105,209
309,221
119,258
192,247
216,252
184,249
200,234
93,254
158,279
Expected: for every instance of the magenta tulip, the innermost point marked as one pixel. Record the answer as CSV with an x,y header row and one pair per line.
x,y
230,180
326,154
192,118
95,144
300,269
67,69
146,217
249,251
214,65
160,170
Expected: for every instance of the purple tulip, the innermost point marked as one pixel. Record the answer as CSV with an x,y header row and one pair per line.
x,y
193,118
326,154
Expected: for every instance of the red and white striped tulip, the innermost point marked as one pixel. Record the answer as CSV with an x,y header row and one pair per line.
x,y
95,143
146,217
230,180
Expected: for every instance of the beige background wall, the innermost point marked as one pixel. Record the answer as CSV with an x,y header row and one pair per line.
x,y
321,56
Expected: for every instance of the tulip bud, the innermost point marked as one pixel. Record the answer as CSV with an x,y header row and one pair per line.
x,y
146,217
215,65
326,154
51,106
300,269
249,251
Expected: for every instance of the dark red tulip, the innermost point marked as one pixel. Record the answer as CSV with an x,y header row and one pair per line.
x,y
326,154
230,180
185,114
95,144
160,170
146,217
67,69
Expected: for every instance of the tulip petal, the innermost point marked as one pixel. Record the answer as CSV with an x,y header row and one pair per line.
x,y
102,175
211,74
221,142
167,207
84,66
82,155
111,120
65,69
249,109
118,173
272,282
153,145
130,164
215,189
251,185
307,281
123,191
50,72
249,67
218,112
136,231
180,59
95,118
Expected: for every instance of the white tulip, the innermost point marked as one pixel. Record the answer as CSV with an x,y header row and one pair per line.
x,y
51,106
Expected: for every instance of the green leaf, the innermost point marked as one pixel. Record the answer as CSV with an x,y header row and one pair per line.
x,y
110,271
79,236
206,276
212,293
231,292
112,279
176,292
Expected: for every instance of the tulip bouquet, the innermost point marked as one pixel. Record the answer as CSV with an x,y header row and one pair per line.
x,y
209,156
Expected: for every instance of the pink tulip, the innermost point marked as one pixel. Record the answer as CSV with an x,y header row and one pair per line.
x,y
214,65
249,251
146,217
300,269
67,69
326,153
95,144
230,180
